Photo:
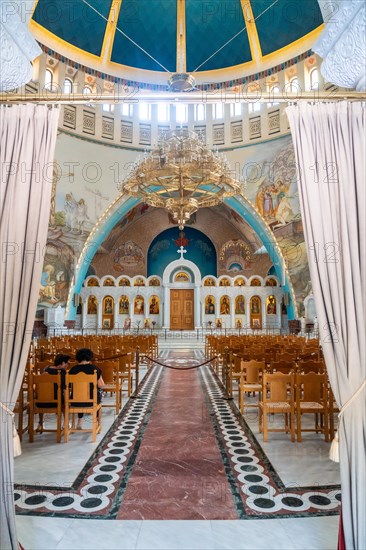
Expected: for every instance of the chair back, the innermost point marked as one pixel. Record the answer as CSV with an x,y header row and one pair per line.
x,y
283,366
278,387
109,370
45,389
311,387
81,388
252,371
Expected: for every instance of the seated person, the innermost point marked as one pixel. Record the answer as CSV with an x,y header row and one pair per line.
x,y
60,365
84,357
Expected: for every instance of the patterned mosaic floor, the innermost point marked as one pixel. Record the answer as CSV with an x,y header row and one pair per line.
x,y
217,470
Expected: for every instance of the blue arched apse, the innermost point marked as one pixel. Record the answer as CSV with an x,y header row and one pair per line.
x,y
123,205
164,249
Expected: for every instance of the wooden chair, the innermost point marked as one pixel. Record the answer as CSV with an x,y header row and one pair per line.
x,y
22,404
81,397
45,397
277,398
125,371
250,381
112,385
283,366
312,397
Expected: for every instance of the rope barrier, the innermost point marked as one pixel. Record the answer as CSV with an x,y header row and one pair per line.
x,y
181,368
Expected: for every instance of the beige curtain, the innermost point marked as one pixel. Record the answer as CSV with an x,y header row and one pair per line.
x,y
27,143
329,141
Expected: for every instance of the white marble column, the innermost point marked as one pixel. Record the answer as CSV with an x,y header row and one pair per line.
x,y
99,317
232,312
197,298
84,313
115,314
166,323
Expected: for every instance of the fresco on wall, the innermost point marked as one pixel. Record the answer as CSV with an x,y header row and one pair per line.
x,y
235,256
164,250
128,254
270,184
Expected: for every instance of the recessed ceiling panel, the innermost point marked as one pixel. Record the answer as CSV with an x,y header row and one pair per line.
x,y
152,25
210,25
75,21
284,22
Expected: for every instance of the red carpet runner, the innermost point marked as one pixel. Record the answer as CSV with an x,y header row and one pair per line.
x,y
178,472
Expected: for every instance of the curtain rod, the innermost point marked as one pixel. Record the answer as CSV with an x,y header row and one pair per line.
x,y
217,96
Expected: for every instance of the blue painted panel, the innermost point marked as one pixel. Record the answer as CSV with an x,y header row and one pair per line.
x,y
75,22
163,251
152,24
209,25
285,22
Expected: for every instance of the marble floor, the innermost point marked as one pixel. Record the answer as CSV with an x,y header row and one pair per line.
x,y
176,474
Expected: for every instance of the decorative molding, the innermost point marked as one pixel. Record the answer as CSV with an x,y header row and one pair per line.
x,y
126,131
237,131
107,127
89,122
218,134
274,125
342,45
255,127
70,117
145,134
17,50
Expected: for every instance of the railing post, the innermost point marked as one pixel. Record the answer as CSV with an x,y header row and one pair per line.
x,y
226,373
137,372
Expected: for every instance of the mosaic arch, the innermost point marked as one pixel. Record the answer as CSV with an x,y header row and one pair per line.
x,y
123,205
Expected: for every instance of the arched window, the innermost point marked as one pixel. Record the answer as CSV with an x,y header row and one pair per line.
x,y
295,85
127,109
108,107
314,79
254,107
163,112
235,109
87,91
200,112
217,111
144,111
68,86
181,112
48,79
274,90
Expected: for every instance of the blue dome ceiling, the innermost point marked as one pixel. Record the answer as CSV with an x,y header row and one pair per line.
x,y
145,39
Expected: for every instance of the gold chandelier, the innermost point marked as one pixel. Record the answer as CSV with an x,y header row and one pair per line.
x,y
181,175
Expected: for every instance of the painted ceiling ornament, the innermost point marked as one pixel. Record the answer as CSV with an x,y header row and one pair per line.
x,y
181,175
17,49
342,45
182,240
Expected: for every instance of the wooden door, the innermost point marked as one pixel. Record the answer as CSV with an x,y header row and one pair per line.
x,y
182,309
